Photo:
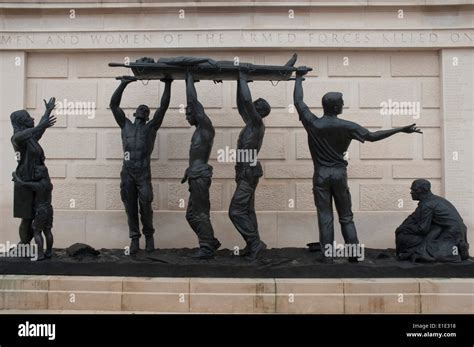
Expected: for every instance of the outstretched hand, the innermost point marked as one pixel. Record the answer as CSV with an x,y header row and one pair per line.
x,y
48,121
50,104
190,77
301,71
411,129
244,73
166,80
127,79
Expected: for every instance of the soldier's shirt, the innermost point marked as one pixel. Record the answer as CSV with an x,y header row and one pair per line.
x,y
329,137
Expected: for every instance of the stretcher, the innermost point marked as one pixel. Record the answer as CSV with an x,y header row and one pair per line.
x,y
207,69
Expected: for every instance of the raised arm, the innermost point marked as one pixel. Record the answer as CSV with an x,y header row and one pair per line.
x,y
191,94
196,106
306,116
157,119
47,120
35,132
244,100
383,134
298,91
117,98
240,103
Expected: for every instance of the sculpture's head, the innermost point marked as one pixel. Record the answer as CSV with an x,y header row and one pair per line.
x,y
419,188
333,103
21,120
190,115
263,107
142,112
40,172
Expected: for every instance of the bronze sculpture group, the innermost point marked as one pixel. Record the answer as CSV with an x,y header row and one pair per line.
x,y
434,232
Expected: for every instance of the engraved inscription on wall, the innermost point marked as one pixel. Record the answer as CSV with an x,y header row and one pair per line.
x,y
238,38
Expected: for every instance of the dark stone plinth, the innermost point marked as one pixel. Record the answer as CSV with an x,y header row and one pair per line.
x,y
274,263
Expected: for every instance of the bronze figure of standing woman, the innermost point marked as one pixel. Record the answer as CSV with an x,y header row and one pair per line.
x,y
29,154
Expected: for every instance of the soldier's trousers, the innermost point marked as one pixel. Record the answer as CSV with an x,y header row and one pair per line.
x,y
242,209
137,194
198,211
331,183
